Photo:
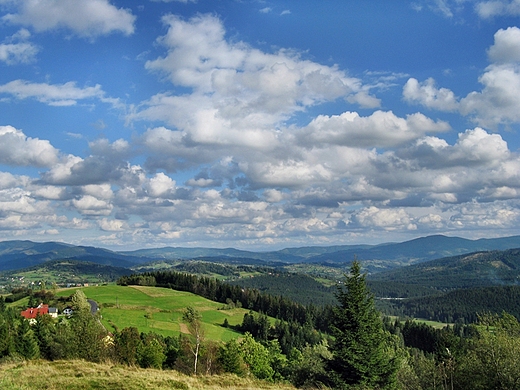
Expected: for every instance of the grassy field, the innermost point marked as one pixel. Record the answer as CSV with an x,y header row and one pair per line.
x,y
78,375
159,310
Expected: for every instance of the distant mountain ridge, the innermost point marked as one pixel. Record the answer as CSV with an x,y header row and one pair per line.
x,y
476,269
375,258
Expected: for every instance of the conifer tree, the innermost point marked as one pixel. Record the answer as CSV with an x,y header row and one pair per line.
x,y
360,348
26,344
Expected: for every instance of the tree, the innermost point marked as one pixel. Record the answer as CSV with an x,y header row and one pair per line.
x,y
26,343
88,331
192,318
493,361
127,343
151,352
80,302
307,368
256,356
230,358
361,350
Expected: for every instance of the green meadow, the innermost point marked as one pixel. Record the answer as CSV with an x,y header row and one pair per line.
x,y
159,310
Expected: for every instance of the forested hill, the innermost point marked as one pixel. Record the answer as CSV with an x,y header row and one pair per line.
x,y
460,305
473,270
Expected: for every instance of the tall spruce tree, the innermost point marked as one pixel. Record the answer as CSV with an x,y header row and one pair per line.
x,y
361,351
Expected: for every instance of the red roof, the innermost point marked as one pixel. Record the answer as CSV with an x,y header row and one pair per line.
x,y
33,312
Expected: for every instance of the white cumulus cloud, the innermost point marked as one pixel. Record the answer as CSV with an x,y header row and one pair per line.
x,y
90,18
17,149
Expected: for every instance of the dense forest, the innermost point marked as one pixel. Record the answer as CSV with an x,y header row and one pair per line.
x,y
462,306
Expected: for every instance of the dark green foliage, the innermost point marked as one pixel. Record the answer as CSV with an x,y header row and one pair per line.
x,y
151,351
171,351
26,344
480,269
361,352
257,325
126,344
17,294
297,287
202,267
230,358
45,330
460,305
308,368
388,289
7,331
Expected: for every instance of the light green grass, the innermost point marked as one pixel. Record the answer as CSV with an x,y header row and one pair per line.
x,y
159,310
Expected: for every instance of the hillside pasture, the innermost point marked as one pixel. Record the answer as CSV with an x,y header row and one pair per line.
x,y
159,310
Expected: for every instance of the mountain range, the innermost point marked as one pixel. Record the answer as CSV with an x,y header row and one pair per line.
x,y
375,258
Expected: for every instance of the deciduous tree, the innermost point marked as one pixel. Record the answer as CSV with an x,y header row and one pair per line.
x,y
192,318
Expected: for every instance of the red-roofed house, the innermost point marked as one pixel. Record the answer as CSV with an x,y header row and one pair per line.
x,y
34,312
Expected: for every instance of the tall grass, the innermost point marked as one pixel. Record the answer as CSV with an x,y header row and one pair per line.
x,y
81,375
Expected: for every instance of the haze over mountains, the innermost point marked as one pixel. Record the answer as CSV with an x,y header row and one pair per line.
x,y
21,254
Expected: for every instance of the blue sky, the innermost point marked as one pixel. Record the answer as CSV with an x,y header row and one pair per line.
x,y
258,125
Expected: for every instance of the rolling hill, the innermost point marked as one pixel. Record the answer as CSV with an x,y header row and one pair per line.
x,y
476,269
65,272
23,254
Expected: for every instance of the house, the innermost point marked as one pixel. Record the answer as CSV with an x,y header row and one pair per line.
x,y
32,312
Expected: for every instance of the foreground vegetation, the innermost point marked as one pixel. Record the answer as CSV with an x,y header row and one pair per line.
x,y
182,333
79,374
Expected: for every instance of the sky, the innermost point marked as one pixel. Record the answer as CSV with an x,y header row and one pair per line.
x,y
256,124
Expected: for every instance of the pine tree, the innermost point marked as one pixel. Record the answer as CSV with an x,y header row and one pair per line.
x,y
360,347
26,343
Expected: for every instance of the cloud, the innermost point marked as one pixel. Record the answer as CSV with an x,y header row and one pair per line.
x,y
16,149
498,103
160,185
231,80
381,129
15,49
428,95
473,148
490,9
53,94
387,219
84,18
90,205
506,47
112,225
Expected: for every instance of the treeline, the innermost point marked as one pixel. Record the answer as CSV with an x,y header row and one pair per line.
x,y
462,306
279,307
